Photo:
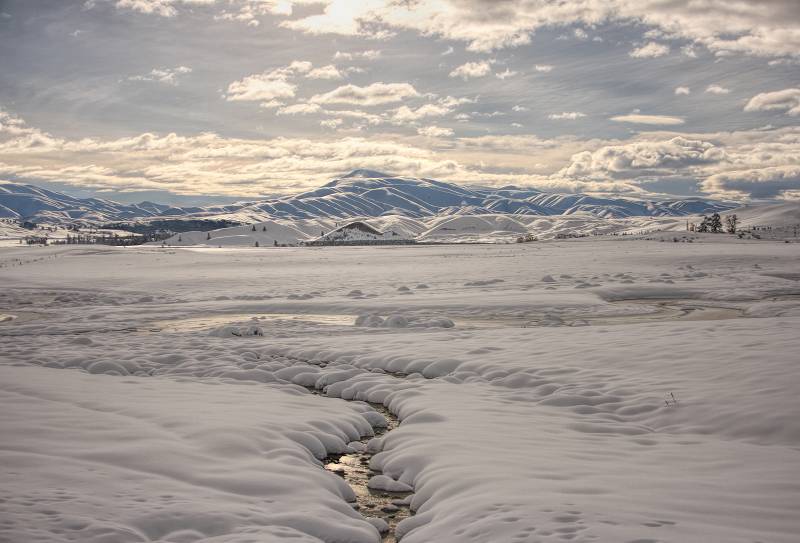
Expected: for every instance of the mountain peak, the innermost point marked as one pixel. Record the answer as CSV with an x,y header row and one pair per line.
x,y
366,174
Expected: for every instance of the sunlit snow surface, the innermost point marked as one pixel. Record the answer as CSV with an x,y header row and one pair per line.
x,y
586,390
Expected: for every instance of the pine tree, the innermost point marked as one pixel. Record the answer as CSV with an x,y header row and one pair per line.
x,y
715,223
730,222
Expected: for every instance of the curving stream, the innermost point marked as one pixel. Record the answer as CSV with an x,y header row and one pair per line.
x,y
354,468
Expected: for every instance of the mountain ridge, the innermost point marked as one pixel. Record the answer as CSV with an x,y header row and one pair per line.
x,y
360,193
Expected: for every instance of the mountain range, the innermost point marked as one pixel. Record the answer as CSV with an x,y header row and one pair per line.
x,y
360,193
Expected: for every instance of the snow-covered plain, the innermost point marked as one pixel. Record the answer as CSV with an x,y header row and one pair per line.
x,y
586,390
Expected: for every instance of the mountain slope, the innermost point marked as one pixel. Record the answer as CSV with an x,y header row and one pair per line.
x,y
361,193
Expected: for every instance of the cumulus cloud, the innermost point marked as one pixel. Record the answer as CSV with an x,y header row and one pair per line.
x,y
269,88
471,70
371,95
404,114
787,100
767,183
759,163
543,68
260,88
568,115
435,131
299,109
638,118
370,54
325,72
766,28
633,160
163,75
717,89
682,90
650,50
505,74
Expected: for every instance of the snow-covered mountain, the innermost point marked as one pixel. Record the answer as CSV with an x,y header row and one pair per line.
x,y
36,204
361,193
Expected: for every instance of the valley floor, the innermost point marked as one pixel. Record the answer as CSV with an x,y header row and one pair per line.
x,y
604,390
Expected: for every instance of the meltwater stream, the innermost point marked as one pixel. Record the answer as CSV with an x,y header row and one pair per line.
x,y
392,507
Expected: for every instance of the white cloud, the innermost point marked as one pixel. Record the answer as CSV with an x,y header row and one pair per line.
x,y
370,54
325,72
260,88
631,160
371,95
717,89
505,74
543,68
163,75
771,182
650,50
269,88
638,118
472,69
787,100
435,132
405,114
770,28
682,90
568,115
299,109
211,164
519,108
580,34
333,124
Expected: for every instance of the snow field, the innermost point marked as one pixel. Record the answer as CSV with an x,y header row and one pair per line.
x,y
123,432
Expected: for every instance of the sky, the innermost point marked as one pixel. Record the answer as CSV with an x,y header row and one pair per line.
x,y
194,100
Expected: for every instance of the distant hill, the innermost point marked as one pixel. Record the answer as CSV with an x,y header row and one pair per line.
x,y
360,193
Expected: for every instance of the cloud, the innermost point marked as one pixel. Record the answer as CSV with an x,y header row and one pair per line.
x,y
299,109
331,123
650,50
773,182
505,74
435,132
716,89
471,70
325,72
404,114
758,163
269,88
638,118
163,75
568,115
371,95
519,108
682,90
260,88
787,100
543,68
370,54
766,28
637,159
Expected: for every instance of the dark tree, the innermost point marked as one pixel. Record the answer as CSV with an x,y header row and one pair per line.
x,y
703,224
730,223
208,235
257,245
715,223
254,228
